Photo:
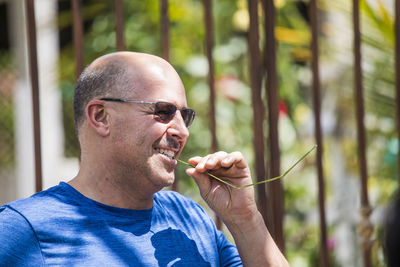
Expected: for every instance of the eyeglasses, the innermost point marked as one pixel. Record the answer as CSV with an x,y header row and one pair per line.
x,y
165,111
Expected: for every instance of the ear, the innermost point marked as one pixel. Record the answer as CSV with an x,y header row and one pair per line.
x,y
97,117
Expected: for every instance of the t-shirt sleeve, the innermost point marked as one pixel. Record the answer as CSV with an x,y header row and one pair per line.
x,y
18,243
229,255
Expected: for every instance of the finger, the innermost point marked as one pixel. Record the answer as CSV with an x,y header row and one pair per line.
x,y
214,160
201,165
198,162
209,162
227,162
202,180
195,160
235,158
219,159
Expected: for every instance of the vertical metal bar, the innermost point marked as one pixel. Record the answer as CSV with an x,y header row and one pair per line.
x,y
365,226
119,23
397,69
165,53
164,29
275,189
209,47
318,135
258,109
33,70
208,20
78,37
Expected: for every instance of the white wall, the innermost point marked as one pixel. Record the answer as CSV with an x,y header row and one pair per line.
x,y
54,166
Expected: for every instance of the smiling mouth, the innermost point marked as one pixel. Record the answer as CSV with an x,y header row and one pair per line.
x,y
166,152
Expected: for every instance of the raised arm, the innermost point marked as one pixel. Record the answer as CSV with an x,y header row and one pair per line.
x,y
237,208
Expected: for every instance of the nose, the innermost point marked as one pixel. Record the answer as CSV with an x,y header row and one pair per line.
x,y
177,127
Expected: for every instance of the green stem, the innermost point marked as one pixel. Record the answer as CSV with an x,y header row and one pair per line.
x,y
257,183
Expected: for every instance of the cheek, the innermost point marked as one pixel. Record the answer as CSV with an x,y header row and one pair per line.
x,y
125,135
119,133
133,133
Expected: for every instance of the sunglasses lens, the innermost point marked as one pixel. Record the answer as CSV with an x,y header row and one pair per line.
x,y
188,116
165,111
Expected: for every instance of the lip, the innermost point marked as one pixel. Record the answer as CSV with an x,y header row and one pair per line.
x,y
163,152
171,161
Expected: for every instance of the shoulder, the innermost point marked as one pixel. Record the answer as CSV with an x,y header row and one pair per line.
x,y
13,220
176,199
38,209
38,200
183,208
19,244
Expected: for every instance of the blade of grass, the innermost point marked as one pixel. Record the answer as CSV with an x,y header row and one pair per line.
x,y
257,183
213,176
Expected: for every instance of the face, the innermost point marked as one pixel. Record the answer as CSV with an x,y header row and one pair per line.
x,y
145,147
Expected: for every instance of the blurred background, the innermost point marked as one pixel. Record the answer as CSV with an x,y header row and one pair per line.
x,y
233,102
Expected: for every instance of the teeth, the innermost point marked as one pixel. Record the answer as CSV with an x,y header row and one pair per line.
x,y
168,153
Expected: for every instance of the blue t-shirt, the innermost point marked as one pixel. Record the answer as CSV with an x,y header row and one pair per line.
x,y
61,227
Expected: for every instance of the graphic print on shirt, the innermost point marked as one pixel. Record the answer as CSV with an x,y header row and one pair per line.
x,y
165,243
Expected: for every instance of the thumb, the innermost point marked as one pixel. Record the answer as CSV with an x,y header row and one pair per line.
x,y
202,180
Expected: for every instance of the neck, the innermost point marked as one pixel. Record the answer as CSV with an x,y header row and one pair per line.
x,y
103,187
100,180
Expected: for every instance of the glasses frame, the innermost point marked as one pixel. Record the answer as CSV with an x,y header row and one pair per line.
x,y
122,100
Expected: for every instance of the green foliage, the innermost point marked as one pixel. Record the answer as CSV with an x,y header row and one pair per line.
x,y
233,102
7,144
7,151
379,82
234,114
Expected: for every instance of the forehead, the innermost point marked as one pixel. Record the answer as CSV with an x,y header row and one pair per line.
x,y
158,83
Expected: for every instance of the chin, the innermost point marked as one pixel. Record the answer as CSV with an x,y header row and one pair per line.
x,y
166,179
171,180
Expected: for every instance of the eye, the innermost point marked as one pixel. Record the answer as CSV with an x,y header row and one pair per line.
x,y
164,112
163,108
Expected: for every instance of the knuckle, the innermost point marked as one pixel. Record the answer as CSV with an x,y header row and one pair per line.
x,y
237,154
221,153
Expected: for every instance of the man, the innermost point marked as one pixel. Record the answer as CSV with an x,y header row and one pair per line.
x,y
132,122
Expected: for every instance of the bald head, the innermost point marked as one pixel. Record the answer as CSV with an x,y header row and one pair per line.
x,y
116,74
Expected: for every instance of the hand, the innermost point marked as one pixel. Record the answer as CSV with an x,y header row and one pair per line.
x,y
237,208
230,204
